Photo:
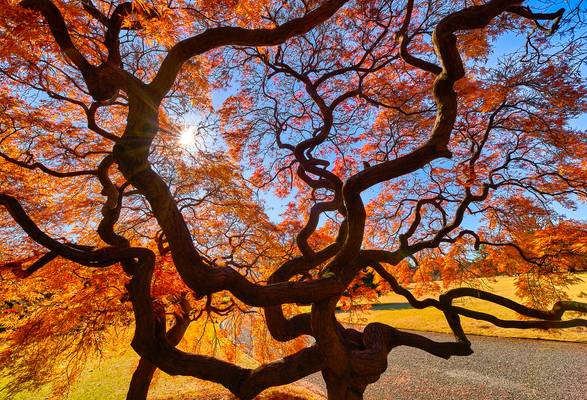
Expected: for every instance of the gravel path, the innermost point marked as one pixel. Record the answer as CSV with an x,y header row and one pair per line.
x,y
500,369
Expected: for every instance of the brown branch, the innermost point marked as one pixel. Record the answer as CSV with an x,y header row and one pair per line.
x,y
93,125
112,206
114,25
143,374
526,12
60,32
91,9
550,318
47,170
34,267
150,339
280,327
210,281
102,81
313,219
233,36
404,40
83,255
392,337
445,46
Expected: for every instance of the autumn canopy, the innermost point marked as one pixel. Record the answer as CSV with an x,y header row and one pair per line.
x,y
259,163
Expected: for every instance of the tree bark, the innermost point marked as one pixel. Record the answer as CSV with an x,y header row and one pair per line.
x,y
143,374
141,380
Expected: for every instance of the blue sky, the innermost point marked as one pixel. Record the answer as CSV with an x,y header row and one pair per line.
x,y
507,43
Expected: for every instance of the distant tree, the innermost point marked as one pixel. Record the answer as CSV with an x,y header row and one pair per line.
x,y
131,195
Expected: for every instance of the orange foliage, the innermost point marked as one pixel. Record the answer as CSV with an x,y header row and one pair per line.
x,y
319,112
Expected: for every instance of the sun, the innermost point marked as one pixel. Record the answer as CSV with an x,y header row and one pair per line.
x,y
187,136
196,133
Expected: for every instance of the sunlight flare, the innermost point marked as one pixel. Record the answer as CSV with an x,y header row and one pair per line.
x,y
188,136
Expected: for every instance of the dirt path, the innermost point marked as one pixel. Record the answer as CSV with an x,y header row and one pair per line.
x,y
500,369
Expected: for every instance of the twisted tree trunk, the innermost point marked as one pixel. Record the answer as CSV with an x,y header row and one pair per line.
x,y
143,374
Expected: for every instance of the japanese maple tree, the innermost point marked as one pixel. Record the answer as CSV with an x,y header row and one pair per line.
x,y
407,152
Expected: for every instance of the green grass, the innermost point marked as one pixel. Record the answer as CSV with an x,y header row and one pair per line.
x,y
107,378
433,320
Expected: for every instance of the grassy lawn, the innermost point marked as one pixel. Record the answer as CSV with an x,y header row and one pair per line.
x,y
433,320
108,378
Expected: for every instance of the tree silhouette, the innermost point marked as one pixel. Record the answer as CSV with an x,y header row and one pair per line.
x,y
334,101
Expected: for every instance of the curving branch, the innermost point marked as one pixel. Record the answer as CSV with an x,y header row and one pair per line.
x,y
17,270
527,13
349,359
143,374
220,278
280,327
549,319
445,46
150,339
60,32
232,36
84,255
404,41
49,171
103,81
93,125
112,206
